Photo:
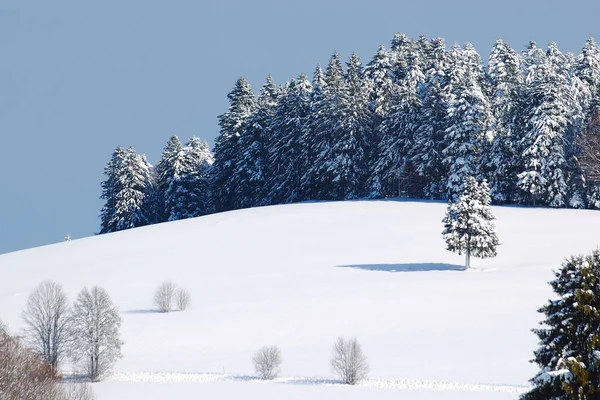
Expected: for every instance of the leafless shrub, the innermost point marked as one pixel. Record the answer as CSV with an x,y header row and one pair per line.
x,y
163,297
267,362
46,317
77,391
182,299
95,341
24,375
348,361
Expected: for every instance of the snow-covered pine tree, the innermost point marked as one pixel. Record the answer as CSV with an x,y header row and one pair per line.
x,y
468,119
543,144
586,88
569,351
378,73
242,105
426,151
468,223
289,153
587,67
393,172
343,134
191,187
503,86
168,171
401,49
123,190
251,171
313,135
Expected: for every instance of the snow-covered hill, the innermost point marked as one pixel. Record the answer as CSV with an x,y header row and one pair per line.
x,y
298,276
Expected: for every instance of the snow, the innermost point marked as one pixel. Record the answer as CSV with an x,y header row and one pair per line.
x,y
298,276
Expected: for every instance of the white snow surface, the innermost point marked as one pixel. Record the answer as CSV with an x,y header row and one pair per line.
x,y
298,276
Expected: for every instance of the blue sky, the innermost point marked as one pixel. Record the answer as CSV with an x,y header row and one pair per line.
x,y
78,78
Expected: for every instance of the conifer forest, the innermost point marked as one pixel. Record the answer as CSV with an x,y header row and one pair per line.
x,y
415,121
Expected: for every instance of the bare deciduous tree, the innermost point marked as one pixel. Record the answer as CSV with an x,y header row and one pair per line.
x,y
163,297
95,340
348,361
46,316
182,299
267,362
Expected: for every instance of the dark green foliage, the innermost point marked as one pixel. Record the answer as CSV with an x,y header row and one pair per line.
x,y
569,351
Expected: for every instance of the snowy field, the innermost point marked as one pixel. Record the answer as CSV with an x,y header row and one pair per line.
x,y
299,276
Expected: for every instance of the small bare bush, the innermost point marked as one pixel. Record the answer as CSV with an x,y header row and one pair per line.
x,y
348,361
267,362
163,298
182,299
77,391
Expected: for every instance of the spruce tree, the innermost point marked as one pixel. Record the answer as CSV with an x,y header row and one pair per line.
x,y
503,85
123,190
168,171
468,119
191,188
379,74
393,171
343,134
431,123
569,351
242,105
468,223
313,134
289,151
543,143
250,178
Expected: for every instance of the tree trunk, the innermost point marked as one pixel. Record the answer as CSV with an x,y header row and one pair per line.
x,y
468,258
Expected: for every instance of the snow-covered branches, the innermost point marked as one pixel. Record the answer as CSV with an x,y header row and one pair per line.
x,y
95,340
267,362
468,224
570,337
46,316
349,361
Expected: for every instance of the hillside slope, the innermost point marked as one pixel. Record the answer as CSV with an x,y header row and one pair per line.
x,y
300,275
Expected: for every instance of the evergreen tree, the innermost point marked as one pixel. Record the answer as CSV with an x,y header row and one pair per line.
x,y
288,154
241,106
588,65
313,134
123,190
543,144
468,224
191,187
503,85
340,169
378,73
393,172
251,173
426,151
167,172
569,351
468,119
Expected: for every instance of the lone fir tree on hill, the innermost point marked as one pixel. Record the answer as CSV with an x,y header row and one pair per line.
x,y
468,224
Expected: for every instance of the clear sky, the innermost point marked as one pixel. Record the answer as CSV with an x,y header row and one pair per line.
x,y
78,78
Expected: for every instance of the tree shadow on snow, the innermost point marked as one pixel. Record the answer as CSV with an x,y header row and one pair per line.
x,y
410,267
